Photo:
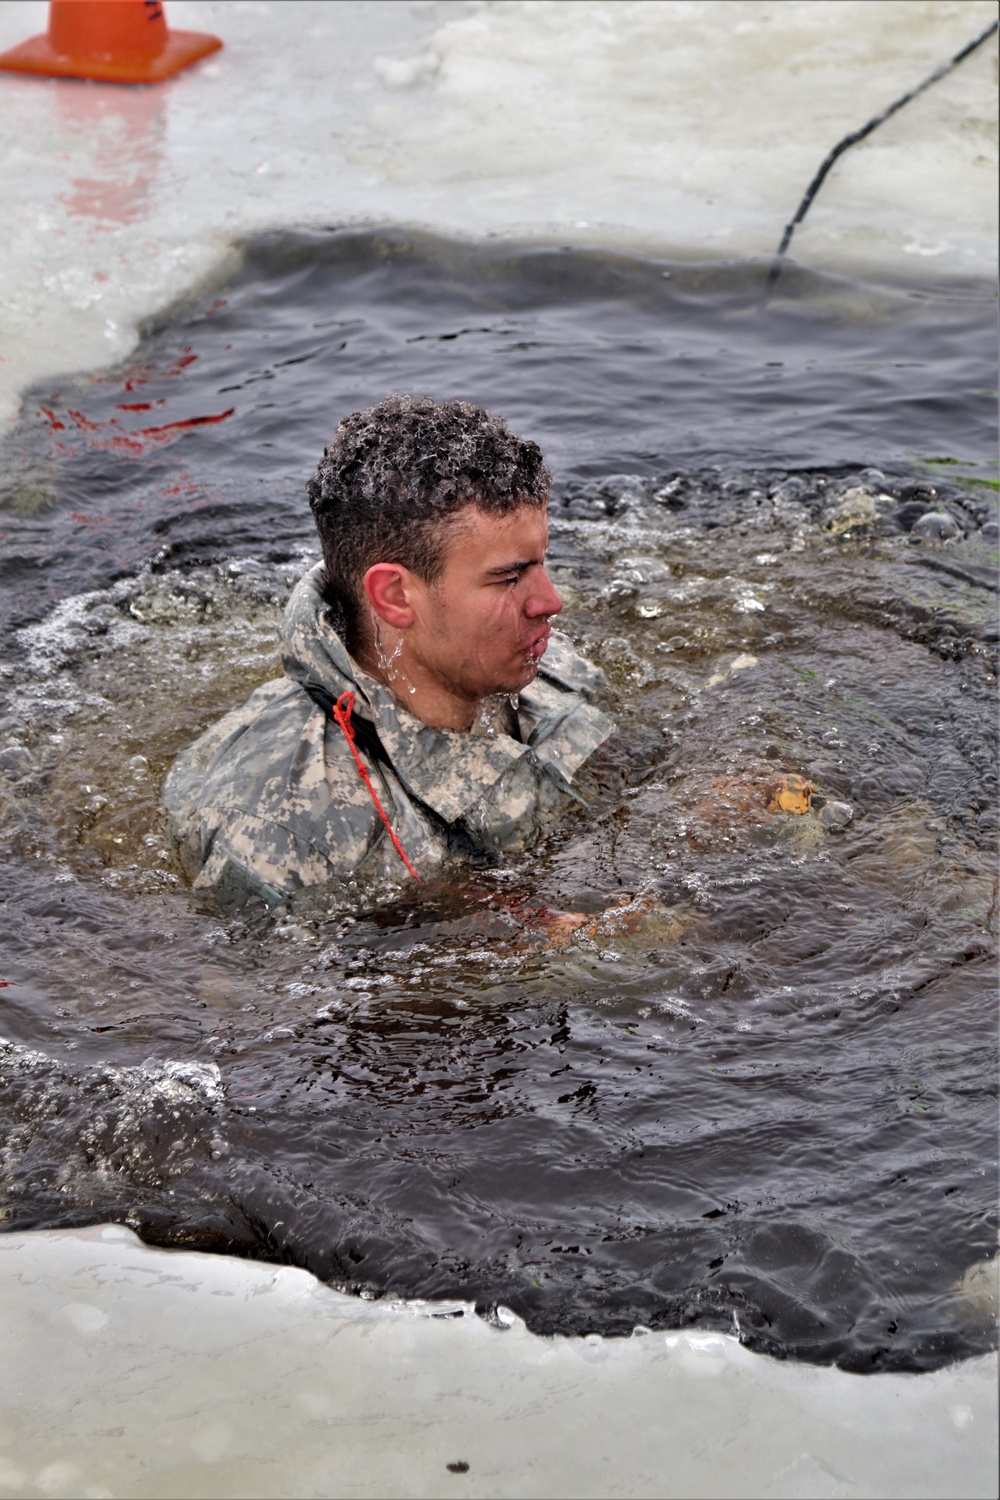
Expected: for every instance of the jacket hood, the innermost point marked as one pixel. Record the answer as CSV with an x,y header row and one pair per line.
x,y
313,654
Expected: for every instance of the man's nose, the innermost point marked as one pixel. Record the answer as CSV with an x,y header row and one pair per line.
x,y
544,599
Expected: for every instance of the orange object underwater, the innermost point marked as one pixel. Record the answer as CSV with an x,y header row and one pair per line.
x,y
792,794
110,41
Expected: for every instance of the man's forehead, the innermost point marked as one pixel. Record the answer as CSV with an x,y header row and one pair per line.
x,y
480,536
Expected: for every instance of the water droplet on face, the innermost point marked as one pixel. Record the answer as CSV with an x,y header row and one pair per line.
x,y
386,660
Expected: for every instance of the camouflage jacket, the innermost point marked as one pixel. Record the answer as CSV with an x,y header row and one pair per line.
x,y
269,801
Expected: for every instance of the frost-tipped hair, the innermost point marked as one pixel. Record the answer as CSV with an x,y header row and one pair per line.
x,y
392,477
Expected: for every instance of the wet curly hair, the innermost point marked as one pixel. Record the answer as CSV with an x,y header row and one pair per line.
x,y
394,475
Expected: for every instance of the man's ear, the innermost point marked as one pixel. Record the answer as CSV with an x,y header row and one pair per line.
x,y
388,587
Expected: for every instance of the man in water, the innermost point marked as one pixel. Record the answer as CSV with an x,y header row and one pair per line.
x,y
467,721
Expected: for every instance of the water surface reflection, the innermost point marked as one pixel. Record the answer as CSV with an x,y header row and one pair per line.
x,y
757,1093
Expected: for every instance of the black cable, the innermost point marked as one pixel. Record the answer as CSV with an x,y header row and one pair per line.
x,y
852,140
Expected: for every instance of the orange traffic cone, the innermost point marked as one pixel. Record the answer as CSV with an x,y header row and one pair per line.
x,y
114,41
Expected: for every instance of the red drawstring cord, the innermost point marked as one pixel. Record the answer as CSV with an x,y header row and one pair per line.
x,y
342,711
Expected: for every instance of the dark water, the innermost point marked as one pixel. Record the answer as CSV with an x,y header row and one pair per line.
x,y
760,1094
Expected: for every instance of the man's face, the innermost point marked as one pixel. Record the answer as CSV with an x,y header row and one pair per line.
x,y
482,626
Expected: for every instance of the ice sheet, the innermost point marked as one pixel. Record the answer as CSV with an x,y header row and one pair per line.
x,y
689,127
132,1371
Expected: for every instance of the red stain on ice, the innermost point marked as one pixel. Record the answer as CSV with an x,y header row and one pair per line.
x,y
158,433
84,422
137,441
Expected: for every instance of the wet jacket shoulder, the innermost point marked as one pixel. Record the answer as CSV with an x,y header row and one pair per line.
x,y
269,800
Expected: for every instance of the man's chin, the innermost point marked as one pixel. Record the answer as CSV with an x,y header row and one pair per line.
x,y
516,679
527,672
